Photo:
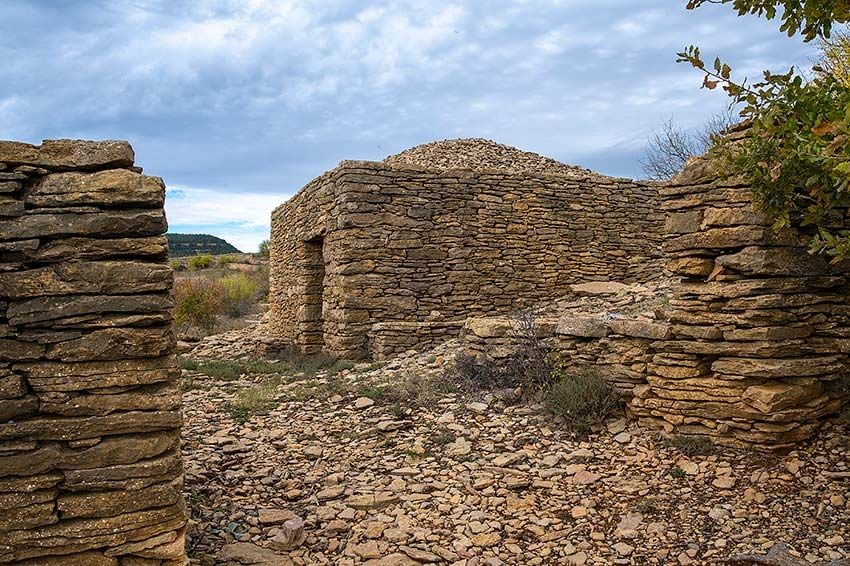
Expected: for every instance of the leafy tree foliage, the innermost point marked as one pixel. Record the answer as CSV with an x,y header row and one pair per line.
x,y
812,18
835,56
797,153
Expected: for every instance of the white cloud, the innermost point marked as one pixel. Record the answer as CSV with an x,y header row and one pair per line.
x,y
261,94
241,218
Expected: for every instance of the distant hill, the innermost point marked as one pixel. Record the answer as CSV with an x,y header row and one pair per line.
x,y
182,245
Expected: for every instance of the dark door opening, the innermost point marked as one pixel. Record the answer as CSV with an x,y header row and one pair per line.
x,y
312,320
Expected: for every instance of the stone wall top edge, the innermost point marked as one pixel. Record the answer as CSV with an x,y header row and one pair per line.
x,y
293,200
357,167
585,176
670,191
68,154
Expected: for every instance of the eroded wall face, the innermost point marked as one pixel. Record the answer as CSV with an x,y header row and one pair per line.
x,y
90,469
407,246
760,327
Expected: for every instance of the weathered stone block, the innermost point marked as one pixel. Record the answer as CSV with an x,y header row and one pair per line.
x,y
740,216
68,537
68,154
109,451
11,385
131,476
114,344
155,248
685,222
81,376
774,261
778,367
111,503
76,559
490,327
736,237
768,333
18,351
86,222
33,516
11,207
76,428
50,308
103,277
11,409
584,326
776,396
111,188
167,546
691,266
157,397
641,328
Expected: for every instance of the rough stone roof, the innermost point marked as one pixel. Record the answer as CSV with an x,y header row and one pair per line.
x,y
476,154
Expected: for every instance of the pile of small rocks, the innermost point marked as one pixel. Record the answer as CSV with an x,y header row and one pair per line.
x,y
346,479
477,154
251,342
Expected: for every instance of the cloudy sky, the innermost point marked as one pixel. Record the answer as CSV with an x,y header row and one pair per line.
x,y
238,103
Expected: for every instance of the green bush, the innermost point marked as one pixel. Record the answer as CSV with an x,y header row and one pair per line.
x,y
263,250
198,262
583,399
198,302
240,293
225,259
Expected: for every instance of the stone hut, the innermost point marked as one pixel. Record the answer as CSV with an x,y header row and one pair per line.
x,y
374,258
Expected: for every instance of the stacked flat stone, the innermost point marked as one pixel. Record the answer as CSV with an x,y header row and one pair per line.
x,y
608,328
90,469
388,339
375,243
759,325
476,154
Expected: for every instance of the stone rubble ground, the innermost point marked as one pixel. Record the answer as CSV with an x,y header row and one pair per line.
x,y
472,481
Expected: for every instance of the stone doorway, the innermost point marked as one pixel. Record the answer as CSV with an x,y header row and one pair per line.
x,y
313,320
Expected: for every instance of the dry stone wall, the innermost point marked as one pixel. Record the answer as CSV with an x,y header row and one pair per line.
x,y
759,326
750,349
383,243
90,469
608,328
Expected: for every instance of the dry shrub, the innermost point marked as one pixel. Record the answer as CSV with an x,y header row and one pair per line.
x,y
198,302
582,398
529,366
478,373
261,278
692,445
